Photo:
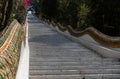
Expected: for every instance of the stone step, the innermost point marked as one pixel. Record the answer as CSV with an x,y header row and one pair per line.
x,y
74,67
62,46
89,76
71,48
72,63
66,46
56,53
52,53
59,51
74,72
64,58
68,59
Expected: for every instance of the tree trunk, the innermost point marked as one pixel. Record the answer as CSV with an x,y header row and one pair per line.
x,y
8,12
3,14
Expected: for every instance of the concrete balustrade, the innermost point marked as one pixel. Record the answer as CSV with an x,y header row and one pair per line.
x,y
105,45
101,38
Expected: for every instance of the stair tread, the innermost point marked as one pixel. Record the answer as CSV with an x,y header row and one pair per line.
x,y
80,71
93,76
75,67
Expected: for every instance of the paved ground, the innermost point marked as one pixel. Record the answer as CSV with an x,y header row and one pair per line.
x,y
53,56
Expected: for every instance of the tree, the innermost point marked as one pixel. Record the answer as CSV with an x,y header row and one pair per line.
x,y
8,10
102,14
83,14
49,8
6,7
105,16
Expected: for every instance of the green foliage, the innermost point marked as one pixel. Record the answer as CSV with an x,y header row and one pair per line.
x,y
83,13
102,14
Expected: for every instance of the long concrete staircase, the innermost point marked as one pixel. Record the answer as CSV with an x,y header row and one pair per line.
x,y
53,56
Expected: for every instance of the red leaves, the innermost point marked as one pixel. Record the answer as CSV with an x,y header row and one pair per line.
x,y
26,2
